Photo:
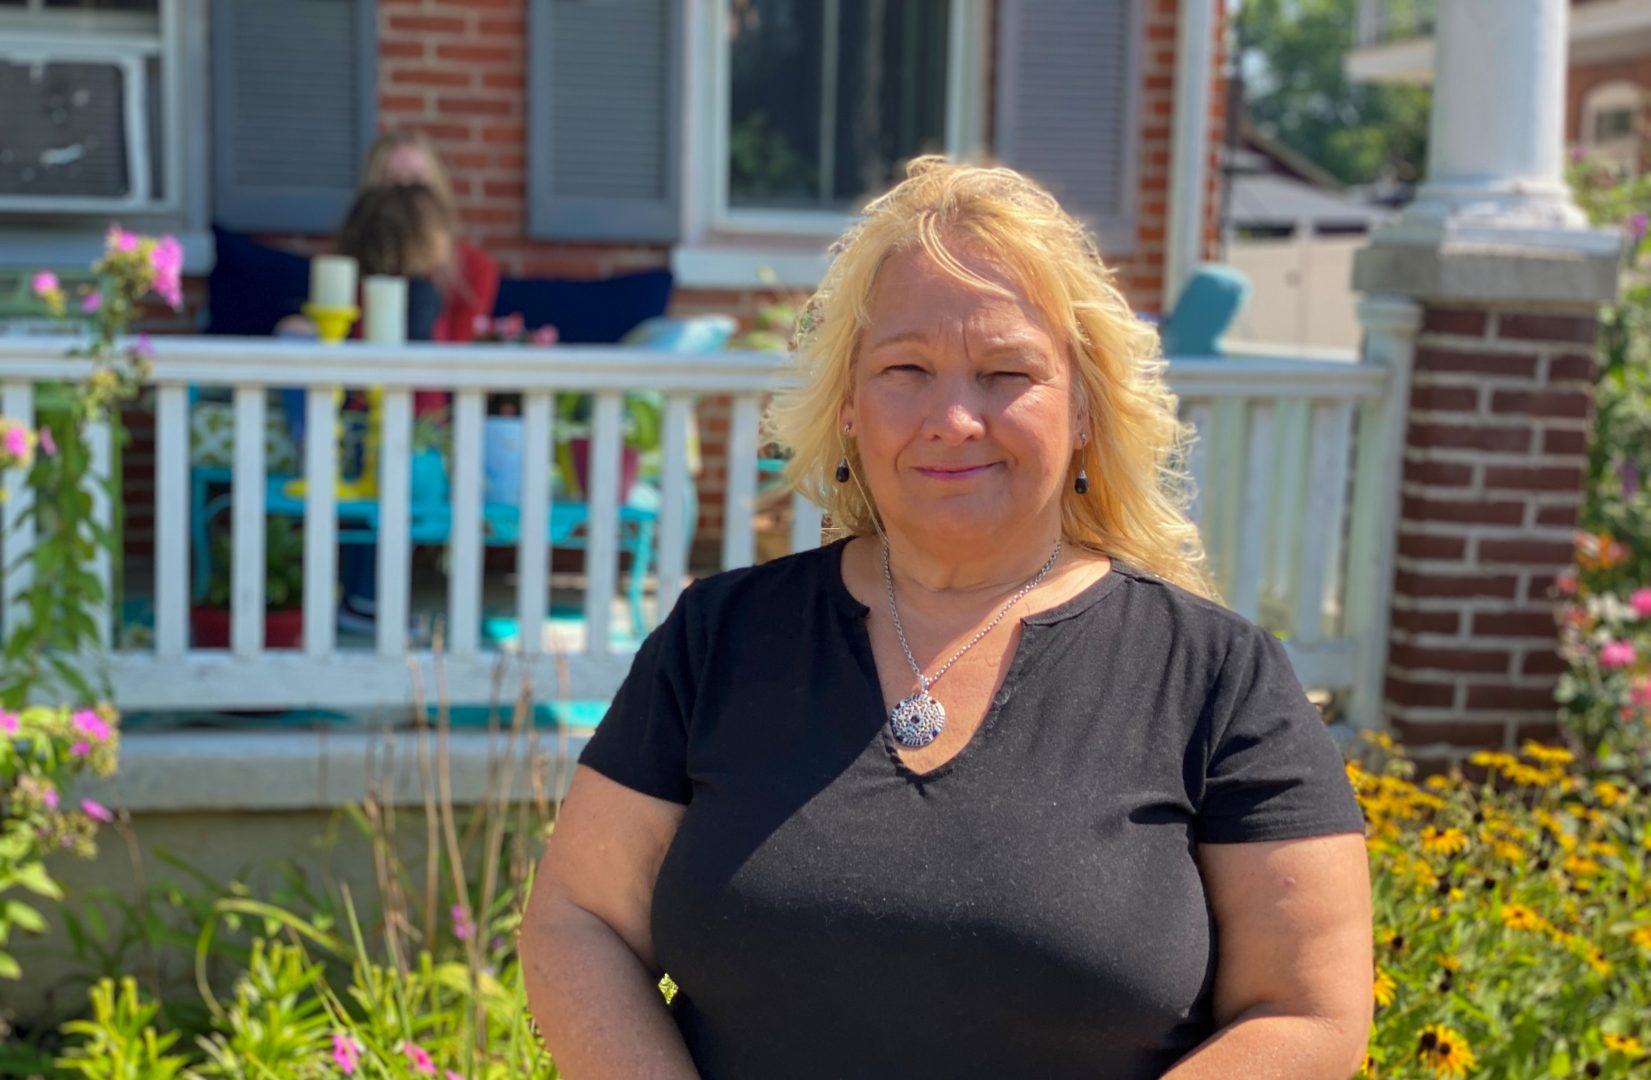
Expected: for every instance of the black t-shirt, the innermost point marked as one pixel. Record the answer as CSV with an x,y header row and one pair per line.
x,y
1030,908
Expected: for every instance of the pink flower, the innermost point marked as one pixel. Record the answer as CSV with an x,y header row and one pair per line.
x,y
509,327
1579,154
419,1058
1616,654
143,347
1640,694
17,442
546,335
80,749
90,724
480,324
96,811
1565,584
45,283
166,259
47,443
92,303
9,723
346,1052
1637,224
453,1074
463,927
1641,601
48,798
118,239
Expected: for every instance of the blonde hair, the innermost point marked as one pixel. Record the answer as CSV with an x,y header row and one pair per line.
x,y
385,146
1135,508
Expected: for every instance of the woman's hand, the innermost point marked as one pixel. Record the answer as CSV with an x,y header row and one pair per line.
x,y
1293,970
587,952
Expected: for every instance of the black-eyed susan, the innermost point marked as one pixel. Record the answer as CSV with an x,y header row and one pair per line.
x,y
1607,793
1544,754
1640,938
1626,1045
1581,866
1520,917
1384,988
1451,841
1444,1051
1597,960
1367,1068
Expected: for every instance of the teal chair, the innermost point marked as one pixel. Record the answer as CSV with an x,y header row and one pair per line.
x,y
1204,311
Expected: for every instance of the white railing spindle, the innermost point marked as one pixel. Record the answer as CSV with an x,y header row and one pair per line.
x,y
247,516
673,505
1255,499
395,453
1323,517
464,606
806,520
100,444
320,520
602,528
172,522
17,573
739,544
1198,460
533,537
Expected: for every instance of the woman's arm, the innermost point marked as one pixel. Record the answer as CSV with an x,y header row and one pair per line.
x,y
587,952
1293,968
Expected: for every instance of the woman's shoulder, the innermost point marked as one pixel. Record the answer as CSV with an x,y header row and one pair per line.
x,y
1156,607
769,589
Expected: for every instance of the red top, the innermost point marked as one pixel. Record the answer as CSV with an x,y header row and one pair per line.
x,y
473,294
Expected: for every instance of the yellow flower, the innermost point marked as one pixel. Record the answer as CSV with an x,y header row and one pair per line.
x,y
1624,1044
1449,962
1377,738
1437,782
1546,755
1579,866
1444,1051
1508,851
1492,759
1384,988
1368,1069
1640,936
1596,960
1603,848
1526,775
1520,917
1607,793
1444,842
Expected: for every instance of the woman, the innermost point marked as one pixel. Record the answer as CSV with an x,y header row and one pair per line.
x,y
990,787
468,279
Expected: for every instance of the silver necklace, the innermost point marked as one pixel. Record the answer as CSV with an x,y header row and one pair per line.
x,y
918,718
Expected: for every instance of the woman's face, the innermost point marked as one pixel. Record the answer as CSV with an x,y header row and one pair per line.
x,y
962,406
407,164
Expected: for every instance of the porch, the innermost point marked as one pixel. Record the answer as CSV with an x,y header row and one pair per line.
x,y
1295,470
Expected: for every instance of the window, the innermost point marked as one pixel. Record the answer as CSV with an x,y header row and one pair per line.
x,y
826,99
90,92
1613,124
817,104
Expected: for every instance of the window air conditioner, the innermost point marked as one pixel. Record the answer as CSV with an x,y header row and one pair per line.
x,y
78,126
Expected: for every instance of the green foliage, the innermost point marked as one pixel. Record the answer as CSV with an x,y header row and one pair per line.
x,y
119,1041
1512,917
41,750
1606,617
283,559
1297,91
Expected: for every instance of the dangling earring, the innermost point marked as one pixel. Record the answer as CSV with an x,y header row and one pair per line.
x,y
842,463
1081,485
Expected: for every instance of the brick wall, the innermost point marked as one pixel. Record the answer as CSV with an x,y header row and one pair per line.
x,y
1501,403
1583,78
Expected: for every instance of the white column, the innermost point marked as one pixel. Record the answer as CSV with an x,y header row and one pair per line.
x,y
1496,141
1190,144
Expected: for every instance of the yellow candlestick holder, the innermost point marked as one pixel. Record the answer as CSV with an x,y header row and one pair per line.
x,y
332,324
365,486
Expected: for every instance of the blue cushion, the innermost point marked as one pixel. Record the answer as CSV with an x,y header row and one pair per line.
x,y
586,312
1207,306
253,286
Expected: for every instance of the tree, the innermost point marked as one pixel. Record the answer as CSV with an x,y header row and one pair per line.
x,y
1298,92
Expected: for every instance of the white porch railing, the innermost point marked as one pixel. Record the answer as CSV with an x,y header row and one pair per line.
x,y
1297,473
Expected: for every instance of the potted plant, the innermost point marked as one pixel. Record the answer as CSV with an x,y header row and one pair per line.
x,y
643,426
283,590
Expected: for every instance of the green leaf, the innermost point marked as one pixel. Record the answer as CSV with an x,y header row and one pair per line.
x,y
24,917
33,877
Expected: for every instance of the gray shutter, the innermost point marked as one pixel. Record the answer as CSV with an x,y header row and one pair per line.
x,y
1068,79
294,109
603,119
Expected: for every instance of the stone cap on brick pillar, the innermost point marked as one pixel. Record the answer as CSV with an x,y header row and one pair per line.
x,y
1484,274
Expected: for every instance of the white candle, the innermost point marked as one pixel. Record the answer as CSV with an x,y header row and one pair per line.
x,y
385,301
332,281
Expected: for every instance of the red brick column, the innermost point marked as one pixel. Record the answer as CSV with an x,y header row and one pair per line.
x,y
1495,456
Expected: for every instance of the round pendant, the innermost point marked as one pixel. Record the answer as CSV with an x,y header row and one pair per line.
x,y
917,720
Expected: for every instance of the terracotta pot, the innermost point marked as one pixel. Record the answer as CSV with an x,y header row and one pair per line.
x,y
630,464
282,629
